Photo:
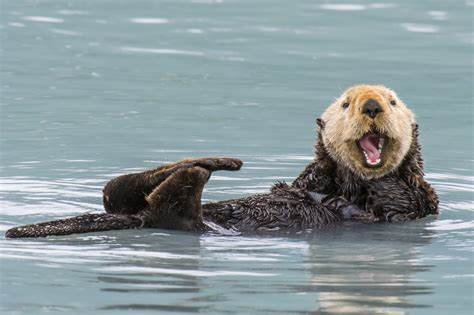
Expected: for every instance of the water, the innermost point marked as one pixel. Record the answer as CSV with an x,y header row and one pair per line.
x,y
93,89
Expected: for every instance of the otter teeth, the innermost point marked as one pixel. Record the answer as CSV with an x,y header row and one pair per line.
x,y
369,161
373,163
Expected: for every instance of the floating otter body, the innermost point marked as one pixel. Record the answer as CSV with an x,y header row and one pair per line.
x,y
368,167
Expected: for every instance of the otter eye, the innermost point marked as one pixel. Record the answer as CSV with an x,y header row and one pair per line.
x,y
393,102
345,105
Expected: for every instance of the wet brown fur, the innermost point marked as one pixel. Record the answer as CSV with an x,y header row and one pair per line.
x,y
326,192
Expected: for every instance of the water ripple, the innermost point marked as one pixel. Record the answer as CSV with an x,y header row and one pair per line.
x,y
420,28
16,24
73,12
65,32
355,7
193,273
162,51
144,20
43,19
451,225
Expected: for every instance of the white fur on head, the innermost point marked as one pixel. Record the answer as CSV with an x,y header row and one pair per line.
x,y
344,127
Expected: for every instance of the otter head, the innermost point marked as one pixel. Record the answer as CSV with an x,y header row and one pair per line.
x,y
368,129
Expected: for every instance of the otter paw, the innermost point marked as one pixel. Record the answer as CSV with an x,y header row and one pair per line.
x,y
176,202
374,202
366,217
352,212
217,163
394,216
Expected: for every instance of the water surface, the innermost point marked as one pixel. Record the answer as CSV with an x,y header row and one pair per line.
x,y
94,89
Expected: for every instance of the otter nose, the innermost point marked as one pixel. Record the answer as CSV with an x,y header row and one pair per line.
x,y
371,108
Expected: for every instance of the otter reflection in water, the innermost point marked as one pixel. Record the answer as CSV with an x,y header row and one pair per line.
x,y
368,167
381,275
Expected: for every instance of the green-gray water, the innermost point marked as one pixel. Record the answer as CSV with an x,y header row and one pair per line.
x,y
92,89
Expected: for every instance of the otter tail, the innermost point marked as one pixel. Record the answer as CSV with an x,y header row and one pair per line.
x,y
80,224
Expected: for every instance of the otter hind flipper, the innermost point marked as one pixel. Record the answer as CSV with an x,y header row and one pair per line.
x,y
176,202
81,224
218,163
126,194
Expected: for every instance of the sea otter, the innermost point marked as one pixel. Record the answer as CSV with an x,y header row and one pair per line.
x,y
368,167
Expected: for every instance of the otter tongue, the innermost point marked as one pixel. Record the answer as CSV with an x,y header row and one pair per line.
x,y
369,144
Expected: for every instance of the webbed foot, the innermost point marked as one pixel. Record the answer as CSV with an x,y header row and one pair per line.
x,y
211,163
126,194
176,202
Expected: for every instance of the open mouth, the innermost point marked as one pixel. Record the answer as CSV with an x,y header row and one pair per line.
x,y
371,146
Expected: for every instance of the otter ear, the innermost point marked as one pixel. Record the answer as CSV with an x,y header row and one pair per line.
x,y
320,123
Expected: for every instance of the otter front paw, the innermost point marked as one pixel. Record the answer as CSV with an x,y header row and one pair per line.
x,y
352,212
374,203
347,210
393,216
391,201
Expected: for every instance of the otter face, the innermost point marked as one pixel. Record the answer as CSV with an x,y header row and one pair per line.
x,y
368,129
